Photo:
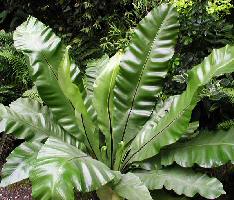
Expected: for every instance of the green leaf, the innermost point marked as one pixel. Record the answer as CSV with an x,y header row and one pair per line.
x,y
193,126
61,167
174,125
28,119
191,131
92,71
102,101
130,187
153,163
19,163
71,90
142,70
118,156
45,51
182,181
73,93
160,111
106,193
94,68
209,149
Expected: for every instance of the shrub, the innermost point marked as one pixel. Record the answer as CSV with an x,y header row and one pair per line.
x,y
115,136
14,72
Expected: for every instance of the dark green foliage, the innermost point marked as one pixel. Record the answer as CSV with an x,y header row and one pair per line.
x,y
226,124
14,73
32,94
200,32
91,27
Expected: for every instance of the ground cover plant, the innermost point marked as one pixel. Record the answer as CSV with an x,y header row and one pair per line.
x,y
14,73
110,131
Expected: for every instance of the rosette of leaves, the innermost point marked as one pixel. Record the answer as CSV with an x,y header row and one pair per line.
x,y
112,138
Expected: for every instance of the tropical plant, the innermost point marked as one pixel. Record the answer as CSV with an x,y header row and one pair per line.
x,y
109,131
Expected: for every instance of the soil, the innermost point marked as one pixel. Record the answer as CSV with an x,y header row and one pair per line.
x,y
21,191
16,192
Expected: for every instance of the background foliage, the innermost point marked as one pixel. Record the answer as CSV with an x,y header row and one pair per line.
x,y
14,74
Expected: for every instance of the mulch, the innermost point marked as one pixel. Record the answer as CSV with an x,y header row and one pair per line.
x,y
18,192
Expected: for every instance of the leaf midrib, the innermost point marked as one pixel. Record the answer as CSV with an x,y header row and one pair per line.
x,y
164,174
201,145
15,118
141,74
181,113
163,129
65,161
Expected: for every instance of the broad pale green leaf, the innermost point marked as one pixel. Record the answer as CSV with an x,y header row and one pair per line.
x,y
73,93
93,69
191,131
130,187
160,111
2,125
28,119
61,168
142,70
45,51
174,125
71,90
193,126
182,181
26,106
19,163
209,149
103,100
153,163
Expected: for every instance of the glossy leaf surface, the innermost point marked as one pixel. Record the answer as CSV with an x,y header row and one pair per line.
x,y
175,123
103,100
106,192
130,187
19,163
182,181
209,149
73,93
60,168
28,119
142,70
93,69
45,51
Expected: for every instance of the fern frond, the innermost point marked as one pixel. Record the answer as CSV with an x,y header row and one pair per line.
x,y
229,93
14,65
226,124
5,89
5,92
5,38
32,94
